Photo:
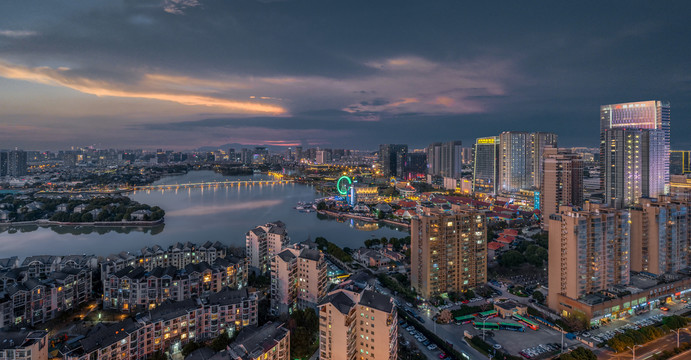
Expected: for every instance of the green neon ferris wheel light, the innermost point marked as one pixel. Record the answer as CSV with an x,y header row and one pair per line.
x,y
341,185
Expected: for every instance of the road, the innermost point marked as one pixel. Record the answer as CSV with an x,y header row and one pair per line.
x,y
449,333
646,351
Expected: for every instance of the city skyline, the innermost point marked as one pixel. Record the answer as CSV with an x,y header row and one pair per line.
x,y
187,74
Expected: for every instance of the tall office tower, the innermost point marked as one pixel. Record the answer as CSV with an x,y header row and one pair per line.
x,y
4,165
357,325
486,165
298,153
448,252
660,235
445,159
16,165
588,251
562,182
538,142
263,242
298,279
391,157
649,115
520,158
632,165
415,164
679,162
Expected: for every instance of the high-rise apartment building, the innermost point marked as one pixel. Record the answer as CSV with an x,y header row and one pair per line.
x,y
539,141
263,242
486,165
298,279
4,163
617,177
445,159
467,155
660,235
448,252
520,159
16,163
632,165
589,251
562,182
357,325
391,158
415,165
679,162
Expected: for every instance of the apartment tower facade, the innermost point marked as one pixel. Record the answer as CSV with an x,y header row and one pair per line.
x,y
448,252
660,235
562,182
589,251
357,325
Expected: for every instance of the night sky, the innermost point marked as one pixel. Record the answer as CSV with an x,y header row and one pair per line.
x,y
180,74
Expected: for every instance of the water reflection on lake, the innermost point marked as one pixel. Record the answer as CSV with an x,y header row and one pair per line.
x,y
216,213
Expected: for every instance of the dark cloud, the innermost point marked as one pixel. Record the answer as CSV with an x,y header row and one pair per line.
x,y
357,73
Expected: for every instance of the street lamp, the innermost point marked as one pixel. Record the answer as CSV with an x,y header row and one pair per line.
x,y
677,331
633,350
562,339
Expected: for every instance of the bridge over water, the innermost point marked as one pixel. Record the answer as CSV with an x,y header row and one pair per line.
x,y
210,184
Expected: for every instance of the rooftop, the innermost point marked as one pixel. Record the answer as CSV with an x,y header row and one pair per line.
x,y
253,341
376,300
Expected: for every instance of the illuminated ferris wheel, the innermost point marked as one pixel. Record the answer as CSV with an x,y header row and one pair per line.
x,y
343,185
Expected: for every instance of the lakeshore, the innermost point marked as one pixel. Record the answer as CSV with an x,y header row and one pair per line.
x,y
44,222
362,218
222,214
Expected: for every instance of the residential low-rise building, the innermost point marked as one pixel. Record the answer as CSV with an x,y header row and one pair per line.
x,y
31,301
268,342
134,289
177,255
168,327
24,345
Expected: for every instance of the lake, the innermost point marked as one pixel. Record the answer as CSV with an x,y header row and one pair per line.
x,y
198,215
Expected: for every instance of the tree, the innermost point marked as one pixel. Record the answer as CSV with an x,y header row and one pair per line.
x,y
303,326
539,297
535,255
158,355
579,353
577,321
321,206
444,317
469,294
511,258
675,321
220,343
190,347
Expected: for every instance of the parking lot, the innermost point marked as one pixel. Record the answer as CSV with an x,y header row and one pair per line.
x,y
608,331
536,342
417,340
